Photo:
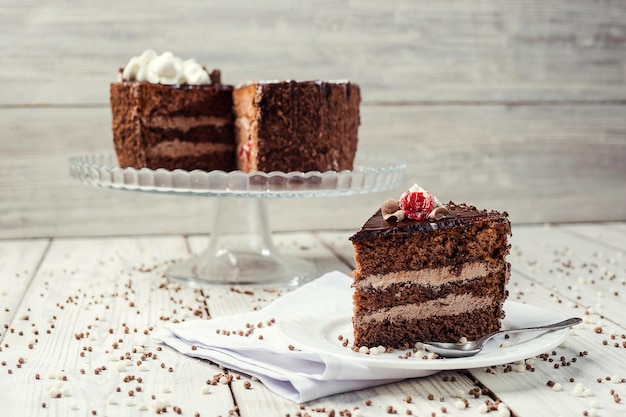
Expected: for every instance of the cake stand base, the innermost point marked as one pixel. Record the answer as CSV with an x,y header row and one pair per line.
x,y
241,251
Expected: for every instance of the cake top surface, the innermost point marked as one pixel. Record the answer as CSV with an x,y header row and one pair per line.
x,y
418,211
279,82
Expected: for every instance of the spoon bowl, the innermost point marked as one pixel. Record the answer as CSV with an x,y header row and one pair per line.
x,y
473,347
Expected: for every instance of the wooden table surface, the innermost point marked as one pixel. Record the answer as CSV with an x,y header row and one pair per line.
x,y
78,313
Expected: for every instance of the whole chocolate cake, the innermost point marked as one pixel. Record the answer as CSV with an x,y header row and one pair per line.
x,y
169,113
427,271
297,125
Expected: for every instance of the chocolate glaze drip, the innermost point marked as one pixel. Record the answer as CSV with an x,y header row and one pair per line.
x,y
460,215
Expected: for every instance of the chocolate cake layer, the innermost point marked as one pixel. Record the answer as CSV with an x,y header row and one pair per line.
x,y
468,235
400,333
371,299
297,126
173,126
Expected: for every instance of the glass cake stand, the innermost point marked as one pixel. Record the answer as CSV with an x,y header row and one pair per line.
x,y
241,252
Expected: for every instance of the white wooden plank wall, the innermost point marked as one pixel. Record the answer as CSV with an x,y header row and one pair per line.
x,y
517,106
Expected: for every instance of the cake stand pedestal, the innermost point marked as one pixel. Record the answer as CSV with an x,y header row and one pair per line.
x,y
241,250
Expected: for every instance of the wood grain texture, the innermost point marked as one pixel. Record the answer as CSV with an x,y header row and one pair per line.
x,y
83,295
405,51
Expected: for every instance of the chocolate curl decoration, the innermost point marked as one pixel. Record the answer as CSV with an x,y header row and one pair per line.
x,y
391,210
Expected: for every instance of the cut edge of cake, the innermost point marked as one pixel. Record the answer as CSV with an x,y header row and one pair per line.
x,y
297,125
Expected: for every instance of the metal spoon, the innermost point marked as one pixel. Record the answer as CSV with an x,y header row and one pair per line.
x,y
471,348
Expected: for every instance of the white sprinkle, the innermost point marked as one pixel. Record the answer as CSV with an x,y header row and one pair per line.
x,y
458,393
73,406
557,387
520,368
616,379
364,349
143,407
205,390
579,390
168,390
129,402
357,413
159,404
112,400
121,367
483,409
459,404
503,410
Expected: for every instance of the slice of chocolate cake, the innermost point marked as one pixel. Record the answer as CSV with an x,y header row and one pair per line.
x,y
429,272
297,126
169,113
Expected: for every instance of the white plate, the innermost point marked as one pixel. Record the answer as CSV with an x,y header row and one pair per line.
x,y
321,334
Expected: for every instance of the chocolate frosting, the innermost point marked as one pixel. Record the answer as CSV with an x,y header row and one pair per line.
x,y
460,215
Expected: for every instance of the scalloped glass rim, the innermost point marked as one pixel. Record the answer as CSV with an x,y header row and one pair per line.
x,y
370,174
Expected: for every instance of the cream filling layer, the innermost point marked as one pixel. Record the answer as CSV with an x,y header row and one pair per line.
x,y
177,148
184,123
450,305
430,276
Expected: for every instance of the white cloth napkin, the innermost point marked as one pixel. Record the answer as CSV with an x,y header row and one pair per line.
x,y
298,375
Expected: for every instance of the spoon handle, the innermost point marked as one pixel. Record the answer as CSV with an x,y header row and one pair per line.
x,y
565,323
